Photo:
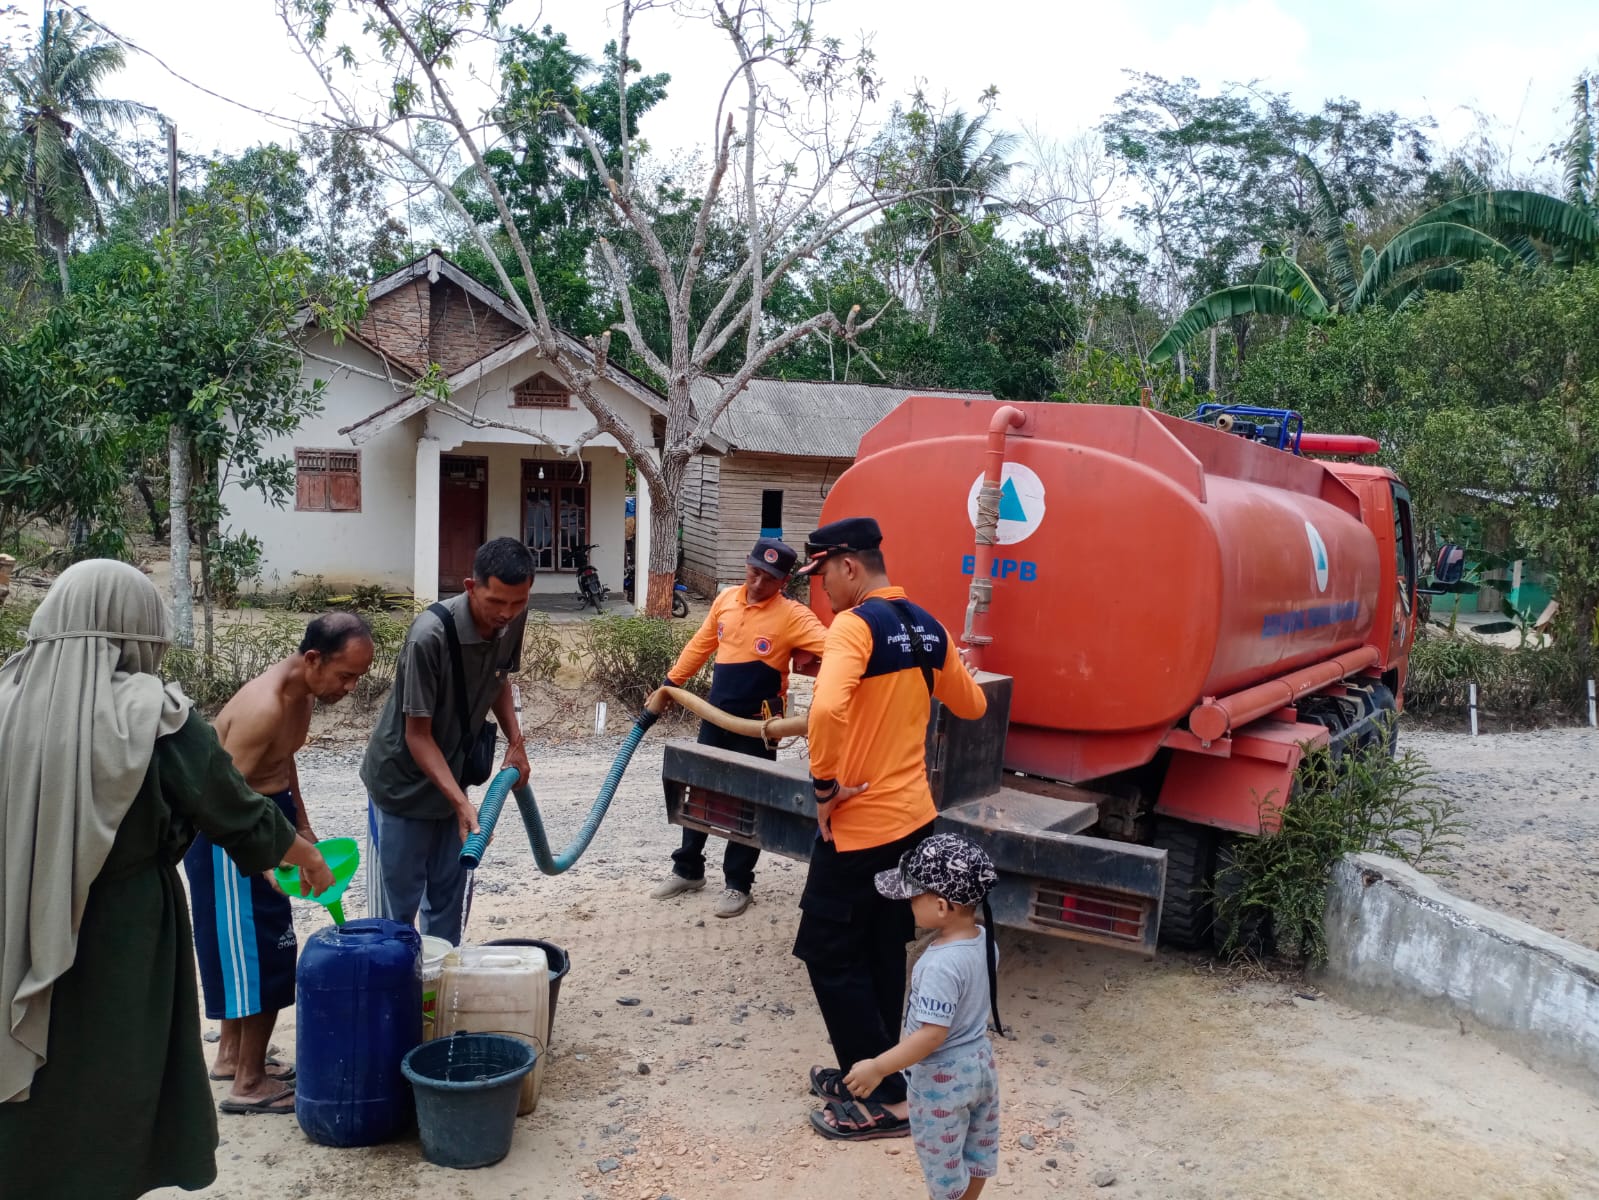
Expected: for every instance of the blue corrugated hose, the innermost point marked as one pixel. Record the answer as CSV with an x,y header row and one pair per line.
x,y
550,864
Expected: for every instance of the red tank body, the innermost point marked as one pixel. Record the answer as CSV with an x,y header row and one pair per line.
x,y
1144,563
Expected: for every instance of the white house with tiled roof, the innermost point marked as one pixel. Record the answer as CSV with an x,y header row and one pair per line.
x,y
399,490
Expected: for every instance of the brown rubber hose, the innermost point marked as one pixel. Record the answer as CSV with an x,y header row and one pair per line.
x,y
772,731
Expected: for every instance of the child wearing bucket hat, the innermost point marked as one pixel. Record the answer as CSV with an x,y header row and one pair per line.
x,y
953,1092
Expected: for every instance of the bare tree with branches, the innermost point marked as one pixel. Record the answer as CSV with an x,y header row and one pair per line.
x,y
786,165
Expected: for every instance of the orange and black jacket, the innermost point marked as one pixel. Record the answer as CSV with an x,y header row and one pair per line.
x,y
869,716
753,644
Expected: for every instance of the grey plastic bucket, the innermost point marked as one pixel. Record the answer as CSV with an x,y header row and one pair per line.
x,y
559,963
467,1087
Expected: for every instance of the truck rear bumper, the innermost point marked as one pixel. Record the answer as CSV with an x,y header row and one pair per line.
x,y
1053,879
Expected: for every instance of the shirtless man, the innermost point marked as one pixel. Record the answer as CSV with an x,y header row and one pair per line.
x,y
243,930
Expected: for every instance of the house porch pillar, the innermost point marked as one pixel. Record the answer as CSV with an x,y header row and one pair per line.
x,y
641,543
425,528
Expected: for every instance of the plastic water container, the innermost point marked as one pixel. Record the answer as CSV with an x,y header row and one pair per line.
x,y
499,989
560,963
358,1011
434,950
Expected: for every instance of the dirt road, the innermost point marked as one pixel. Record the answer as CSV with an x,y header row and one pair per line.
x,y
1530,801
1172,1079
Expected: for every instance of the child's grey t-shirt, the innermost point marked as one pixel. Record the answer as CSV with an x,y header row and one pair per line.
x,y
950,987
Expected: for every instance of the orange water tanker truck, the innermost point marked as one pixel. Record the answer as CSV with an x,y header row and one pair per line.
x,y
1165,612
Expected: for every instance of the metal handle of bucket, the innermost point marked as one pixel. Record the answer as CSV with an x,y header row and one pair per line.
x,y
538,1042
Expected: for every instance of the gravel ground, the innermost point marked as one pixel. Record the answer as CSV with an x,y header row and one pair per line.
x,y
1530,805
1166,1079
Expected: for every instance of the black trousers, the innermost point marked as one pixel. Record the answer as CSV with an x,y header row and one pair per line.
x,y
852,942
738,860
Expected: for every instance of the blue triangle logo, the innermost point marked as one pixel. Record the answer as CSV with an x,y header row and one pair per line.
x,y
1010,504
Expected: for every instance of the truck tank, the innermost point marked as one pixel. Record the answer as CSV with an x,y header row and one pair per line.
x,y
1143,563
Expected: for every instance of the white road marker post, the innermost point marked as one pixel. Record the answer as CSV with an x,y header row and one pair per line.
x,y
599,717
1593,708
1473,710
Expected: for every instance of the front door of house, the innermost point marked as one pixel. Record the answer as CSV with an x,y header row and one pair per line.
x,y
463,517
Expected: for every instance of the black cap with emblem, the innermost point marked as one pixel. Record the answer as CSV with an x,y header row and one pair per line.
x,y
774,557
840,537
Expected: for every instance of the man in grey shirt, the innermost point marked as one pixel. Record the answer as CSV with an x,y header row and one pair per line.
x,y
418,813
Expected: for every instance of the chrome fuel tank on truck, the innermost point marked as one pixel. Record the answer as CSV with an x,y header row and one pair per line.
x,y
1144,563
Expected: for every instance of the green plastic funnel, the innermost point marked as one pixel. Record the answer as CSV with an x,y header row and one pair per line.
x,y
342,856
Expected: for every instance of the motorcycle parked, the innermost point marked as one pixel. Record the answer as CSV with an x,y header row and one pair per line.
x,y
589,588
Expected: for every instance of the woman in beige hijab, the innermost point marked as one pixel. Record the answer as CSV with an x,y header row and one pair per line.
x,y
105,774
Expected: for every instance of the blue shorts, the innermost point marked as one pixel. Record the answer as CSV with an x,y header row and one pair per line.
x,y
954,1118
243,932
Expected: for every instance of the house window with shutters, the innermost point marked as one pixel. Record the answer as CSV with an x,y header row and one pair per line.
x,y
327,481
541,391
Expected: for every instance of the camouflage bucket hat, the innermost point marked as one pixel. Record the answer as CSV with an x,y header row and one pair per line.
x,y
945,864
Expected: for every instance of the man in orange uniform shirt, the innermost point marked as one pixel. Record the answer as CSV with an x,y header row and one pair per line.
x,y
753,630
884,660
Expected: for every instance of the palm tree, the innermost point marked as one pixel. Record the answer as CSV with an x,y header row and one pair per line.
x,y
62,160
965,168
956,166
1499,226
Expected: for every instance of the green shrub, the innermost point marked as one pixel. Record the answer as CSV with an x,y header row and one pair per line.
x,y
14,618
629,656
542,651
1532,681
1365,801
312,596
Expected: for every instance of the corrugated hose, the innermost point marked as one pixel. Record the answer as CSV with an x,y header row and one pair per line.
x,y
505,783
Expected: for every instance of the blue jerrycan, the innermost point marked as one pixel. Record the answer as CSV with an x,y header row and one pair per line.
x,y
358,1010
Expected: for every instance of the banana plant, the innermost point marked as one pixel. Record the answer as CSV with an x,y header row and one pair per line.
x,y
1498,226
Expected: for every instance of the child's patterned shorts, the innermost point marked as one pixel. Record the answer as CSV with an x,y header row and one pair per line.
x,y
955,1119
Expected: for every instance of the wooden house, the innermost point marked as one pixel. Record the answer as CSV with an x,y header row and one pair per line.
x,y
787,442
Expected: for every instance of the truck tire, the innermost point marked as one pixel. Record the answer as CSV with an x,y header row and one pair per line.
x,y
1254,932
1186,913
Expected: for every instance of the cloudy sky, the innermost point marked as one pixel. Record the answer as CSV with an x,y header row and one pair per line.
x,y
1058,66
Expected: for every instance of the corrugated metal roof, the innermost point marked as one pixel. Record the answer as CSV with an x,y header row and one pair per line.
x,y
807,418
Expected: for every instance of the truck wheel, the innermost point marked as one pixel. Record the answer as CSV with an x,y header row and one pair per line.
x,y
1254,933
1186,913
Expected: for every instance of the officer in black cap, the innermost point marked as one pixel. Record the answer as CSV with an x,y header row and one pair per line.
x,y
851,535
887,659
753,630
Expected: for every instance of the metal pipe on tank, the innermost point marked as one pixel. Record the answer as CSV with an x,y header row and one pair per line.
x,y
973,637
1213,718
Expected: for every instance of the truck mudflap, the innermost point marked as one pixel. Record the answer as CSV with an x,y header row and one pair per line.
x,y
1053,879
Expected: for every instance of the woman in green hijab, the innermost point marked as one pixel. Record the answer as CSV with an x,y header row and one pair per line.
x,y
105,774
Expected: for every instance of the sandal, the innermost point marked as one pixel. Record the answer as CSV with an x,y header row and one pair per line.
x,y
268,1106
867,1121
276,1069
827,1083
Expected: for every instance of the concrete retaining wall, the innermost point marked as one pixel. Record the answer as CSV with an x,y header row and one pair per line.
x,y
1400,944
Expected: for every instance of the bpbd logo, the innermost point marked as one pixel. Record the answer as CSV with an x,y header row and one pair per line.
x,y
1021,512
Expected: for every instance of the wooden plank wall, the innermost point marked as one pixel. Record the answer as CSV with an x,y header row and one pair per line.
x,y
743,478
700,506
